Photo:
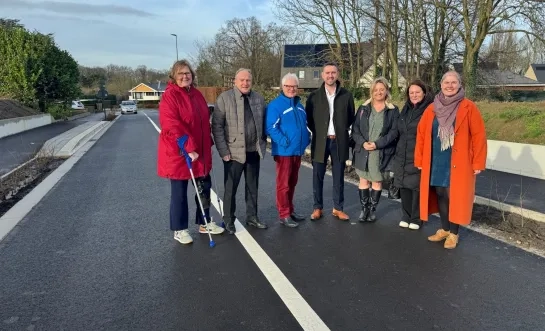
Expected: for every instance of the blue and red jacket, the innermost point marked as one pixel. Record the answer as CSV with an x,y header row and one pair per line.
x,y
286,123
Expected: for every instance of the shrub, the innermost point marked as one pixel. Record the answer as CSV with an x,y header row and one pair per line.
x,y
58,111
519,112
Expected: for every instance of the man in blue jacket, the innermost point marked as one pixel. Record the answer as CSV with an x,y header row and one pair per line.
x,y
286,123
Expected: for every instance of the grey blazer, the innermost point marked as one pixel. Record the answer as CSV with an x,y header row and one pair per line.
x,y
228,127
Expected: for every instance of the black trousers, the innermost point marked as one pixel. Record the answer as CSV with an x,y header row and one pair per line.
x,y
410,205
318,174
443,199
232,173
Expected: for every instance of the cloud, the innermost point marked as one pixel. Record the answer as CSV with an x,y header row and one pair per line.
x,y
124,38
76,8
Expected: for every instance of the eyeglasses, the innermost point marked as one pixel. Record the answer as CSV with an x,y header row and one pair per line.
x,y
294,87
185,73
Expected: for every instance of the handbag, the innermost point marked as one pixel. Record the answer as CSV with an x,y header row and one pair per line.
x,y
393,192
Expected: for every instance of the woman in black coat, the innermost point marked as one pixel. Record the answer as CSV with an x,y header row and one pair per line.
x,y
406,175
374,132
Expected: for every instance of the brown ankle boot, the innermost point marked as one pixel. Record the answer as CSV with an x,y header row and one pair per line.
x,y
439,235
451,242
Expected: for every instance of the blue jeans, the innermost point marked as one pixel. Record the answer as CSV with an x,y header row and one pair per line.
x,y
179,209
318,174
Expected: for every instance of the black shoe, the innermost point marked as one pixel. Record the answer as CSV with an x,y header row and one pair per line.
x,y
297,218
230,227
289,222
375,198
253,221
365,205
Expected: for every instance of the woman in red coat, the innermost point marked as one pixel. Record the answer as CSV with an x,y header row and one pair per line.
x,y
184,111
451,151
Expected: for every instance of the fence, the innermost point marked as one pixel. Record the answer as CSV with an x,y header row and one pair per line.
x,y
211,93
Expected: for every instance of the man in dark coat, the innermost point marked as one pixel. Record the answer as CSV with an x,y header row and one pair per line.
x,y
330,114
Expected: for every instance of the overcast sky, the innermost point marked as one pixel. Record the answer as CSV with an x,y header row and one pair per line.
x,y
123,32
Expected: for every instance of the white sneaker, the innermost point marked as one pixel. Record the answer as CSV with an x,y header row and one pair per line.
x,y
403,224
214,229
183,237
414,226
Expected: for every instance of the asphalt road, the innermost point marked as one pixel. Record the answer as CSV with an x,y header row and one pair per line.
x,y
97,253
19,148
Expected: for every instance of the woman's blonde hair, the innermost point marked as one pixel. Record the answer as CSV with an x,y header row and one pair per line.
x,y
180,64
383,81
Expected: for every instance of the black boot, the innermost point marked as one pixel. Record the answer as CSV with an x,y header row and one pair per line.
x,y
375,198
365,204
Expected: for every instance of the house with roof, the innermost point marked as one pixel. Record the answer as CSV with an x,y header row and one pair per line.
x,y
536,72
148,91
490,78
307,60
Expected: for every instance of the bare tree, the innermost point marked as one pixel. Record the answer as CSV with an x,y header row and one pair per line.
x,y
246,43
482,18
339,24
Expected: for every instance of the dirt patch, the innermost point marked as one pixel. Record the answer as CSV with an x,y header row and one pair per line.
x,y
19,183
510,227
505,226
13,108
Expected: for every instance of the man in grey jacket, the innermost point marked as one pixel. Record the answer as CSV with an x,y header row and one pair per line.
x,y
237,126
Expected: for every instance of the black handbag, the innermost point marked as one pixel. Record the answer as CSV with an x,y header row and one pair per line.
x,y
393,192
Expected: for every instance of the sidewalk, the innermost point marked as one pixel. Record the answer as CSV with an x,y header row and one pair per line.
x,y
21,147
515,190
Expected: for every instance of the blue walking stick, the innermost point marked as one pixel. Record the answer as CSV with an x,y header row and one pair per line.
x,y
181,144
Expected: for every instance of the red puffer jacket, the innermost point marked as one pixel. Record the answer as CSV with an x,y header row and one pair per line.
x,y
183,112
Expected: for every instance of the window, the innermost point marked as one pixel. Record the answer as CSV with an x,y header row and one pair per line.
x,y
316,74
301,74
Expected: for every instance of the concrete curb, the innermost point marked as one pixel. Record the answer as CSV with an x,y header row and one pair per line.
x,y
526,213
75,117
19,211
73,144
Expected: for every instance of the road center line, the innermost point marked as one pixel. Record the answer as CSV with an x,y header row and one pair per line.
x,y
300,309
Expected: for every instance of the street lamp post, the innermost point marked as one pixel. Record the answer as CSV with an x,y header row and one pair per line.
x,y
176,36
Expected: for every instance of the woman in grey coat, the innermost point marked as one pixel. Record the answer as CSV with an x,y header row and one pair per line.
x,y
375,136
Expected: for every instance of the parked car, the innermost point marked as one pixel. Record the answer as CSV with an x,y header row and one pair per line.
x,y
128,106
77,105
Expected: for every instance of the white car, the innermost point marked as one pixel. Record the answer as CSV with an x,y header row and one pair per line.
x,y
77,105
128,106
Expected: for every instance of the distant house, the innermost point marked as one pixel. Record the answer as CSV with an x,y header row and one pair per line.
x,y
306,61
490,78
147,91
368,76
536,72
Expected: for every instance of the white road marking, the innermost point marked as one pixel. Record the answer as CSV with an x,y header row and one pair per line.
x,y
298,306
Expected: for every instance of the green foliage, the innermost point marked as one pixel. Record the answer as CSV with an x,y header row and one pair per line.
x,y
519,112
535,126
58,111
33,68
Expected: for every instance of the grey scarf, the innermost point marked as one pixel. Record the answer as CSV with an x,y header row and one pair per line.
x,y
445,109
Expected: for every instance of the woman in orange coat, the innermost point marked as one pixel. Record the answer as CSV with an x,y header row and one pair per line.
x,y
450,150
